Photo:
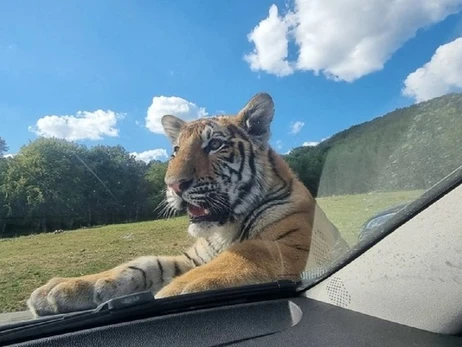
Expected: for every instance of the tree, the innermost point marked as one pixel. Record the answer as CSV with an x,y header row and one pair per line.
x,y
44,185
4,209
3,147
116,188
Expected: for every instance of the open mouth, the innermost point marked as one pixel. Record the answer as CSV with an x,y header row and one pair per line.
x,y
200,214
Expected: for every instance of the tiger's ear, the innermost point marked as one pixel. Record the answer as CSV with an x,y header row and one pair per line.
x,y
256,117
172,126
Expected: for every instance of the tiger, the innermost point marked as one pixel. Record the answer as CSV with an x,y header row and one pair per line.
x,y
251,217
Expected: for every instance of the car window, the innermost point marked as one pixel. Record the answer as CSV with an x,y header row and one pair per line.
x,y
204,145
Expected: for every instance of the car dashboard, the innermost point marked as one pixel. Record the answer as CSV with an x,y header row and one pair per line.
x,y
297,321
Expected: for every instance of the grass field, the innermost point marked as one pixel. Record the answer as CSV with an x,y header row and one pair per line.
x,y
29,261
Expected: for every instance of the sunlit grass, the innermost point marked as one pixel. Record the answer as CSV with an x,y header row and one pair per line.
x,y
29,261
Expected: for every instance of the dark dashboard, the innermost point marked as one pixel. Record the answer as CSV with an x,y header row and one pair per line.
x,y
297,321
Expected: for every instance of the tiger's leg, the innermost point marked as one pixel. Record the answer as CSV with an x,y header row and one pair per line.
x,y
61,295
279,252
250,262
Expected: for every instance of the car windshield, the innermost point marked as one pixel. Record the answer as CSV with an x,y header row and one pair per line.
x,y
182,147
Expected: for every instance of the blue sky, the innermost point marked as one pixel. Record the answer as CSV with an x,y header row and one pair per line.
x,y
327,67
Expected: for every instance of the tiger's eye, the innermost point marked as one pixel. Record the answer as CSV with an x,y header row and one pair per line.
x,y
214,144
175,149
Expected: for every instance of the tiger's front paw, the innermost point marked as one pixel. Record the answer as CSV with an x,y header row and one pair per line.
x,y
63,295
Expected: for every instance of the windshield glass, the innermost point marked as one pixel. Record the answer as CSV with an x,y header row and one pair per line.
x,y
183,147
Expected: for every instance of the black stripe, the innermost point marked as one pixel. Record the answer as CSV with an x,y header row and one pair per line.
x,y
246,189
177,269
197,253
210,245
161,270
230,159
231,131
231,170
300,248
252,217
274,196
282,188
223,176
246,230
191,259
240,198
252,160
145,284
286,234
240,146
239,131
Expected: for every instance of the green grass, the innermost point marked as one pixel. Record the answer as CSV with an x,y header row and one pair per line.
x,y
349,212
29,261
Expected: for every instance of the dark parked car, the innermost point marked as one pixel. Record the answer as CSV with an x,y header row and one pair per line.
x,y
375,222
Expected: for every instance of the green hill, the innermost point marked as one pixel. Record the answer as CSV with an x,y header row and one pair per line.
x,y
407,149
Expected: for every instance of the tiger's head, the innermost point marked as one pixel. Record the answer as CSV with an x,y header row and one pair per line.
x,y
216,169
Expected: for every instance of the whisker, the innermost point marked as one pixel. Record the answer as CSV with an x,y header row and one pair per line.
x,y
173,212
168,212
162,204
222,202
217,205
164,210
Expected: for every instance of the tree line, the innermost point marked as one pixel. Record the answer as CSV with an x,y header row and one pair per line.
x,y
54,184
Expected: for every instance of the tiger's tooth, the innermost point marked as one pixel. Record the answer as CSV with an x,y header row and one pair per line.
x,y
206,211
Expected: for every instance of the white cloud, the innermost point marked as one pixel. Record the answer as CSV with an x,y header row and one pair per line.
x,y
9,155
176,106
344,40
295,127
153,154
441,75
271,46
84,125
279,144
310,144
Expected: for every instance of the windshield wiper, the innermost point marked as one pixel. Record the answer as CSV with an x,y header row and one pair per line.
x,y
143,305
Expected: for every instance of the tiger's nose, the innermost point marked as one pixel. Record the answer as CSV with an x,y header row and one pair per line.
x,y
180,186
